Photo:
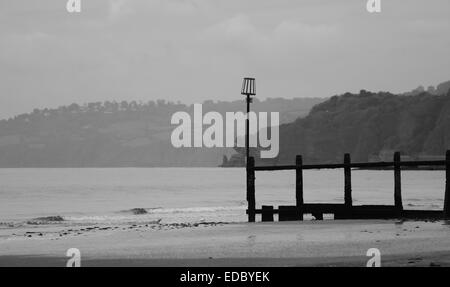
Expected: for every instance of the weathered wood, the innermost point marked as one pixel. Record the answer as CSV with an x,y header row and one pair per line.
x,y
288,213
381,164
422,214
267,213
347,181
299,184
358,211
311,207
423,163
346,210
447,185
375,212
397,182
251,189
275,167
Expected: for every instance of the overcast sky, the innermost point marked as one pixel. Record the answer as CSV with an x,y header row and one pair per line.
x,y
192,50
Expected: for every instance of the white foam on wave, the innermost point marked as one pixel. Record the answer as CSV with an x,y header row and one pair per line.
x,y
195,209
189,214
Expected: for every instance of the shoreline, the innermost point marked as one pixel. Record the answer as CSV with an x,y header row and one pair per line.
x,y
435,259
307,243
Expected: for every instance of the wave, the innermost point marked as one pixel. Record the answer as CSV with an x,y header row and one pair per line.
x,y
153,214
138,210
150,215
157,210
8,224
194,209
46,220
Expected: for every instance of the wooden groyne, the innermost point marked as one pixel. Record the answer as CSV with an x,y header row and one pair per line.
x,y
345,210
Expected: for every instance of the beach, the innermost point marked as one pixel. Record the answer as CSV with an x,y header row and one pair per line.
x,y
143,217
307,243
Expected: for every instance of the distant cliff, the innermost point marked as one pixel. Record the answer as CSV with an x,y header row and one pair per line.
x,y
118,134
367,125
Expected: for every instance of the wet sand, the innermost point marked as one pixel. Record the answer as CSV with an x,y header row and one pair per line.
x,y
308,243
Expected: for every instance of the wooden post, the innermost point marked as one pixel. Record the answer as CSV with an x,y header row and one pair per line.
x,y
267,213
347,181
447,185
397,182
299,184
251,189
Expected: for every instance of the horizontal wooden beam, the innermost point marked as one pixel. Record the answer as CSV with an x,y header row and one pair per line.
x,y
353,165
363,211
422,214
330,208
275,167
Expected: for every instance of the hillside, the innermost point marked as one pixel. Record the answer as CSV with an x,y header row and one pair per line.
x,y
122,134
370,126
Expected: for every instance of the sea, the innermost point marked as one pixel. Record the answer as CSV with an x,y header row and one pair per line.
x,y
185,195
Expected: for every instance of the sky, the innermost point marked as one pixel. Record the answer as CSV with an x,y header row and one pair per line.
x,y
193,50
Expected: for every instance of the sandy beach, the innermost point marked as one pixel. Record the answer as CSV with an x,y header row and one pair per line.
x,y
308,243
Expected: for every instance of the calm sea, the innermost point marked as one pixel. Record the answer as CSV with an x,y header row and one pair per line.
x,y
94,195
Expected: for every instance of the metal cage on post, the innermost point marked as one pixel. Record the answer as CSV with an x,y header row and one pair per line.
x,y
248,90
248,87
